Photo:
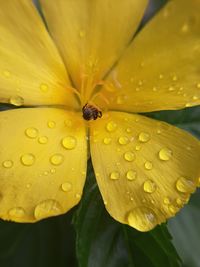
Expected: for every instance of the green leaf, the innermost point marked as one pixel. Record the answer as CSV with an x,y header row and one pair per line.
x,y
101,241
48,243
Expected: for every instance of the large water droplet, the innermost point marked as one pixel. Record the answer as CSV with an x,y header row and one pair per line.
x,y
144,137
7,164
31,132
149,186
27,159
17,101
111,126
114,175
43,140
57,159
131,175
165,154
142,218
66,187
148,165
17,212
69,142
47,208
129,156
123,140
185,185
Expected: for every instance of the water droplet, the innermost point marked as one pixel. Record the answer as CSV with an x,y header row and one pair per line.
x,y
121,99
148,165
185,28
166,201
131,175
31,132
6,73
198,85
165,154
172,209
68,123
44,87
28,186
28,159
114,175
129,156
144,137
43,140
185,185
195,97
66,187
17,101
17,212
149,186
111,126
107,140
123,140
7,164
51,124
53,171
138,147
47,208
142,218
161,76
128,130
179,202
57,159
69,142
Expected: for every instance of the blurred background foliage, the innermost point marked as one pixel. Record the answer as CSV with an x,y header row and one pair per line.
x,y
88,237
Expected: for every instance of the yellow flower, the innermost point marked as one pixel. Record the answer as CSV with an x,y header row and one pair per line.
x,y
145,169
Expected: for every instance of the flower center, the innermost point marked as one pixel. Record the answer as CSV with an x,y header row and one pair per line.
x,y
91,112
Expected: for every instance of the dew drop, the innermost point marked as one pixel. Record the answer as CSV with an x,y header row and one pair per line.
x,y
185,185
66,187
198,85
123,140
129,156
17,101
51,124
47,208
78,196
165,154
27,159
149,186
128,130
57,159
142,218
52,171
111,126
131,175
7,164
179,202
69,142
114,175
17,212
68,123
43,140
81,33
166,201
44,87
31,132
137,148
148,165
172,209
144,137
107,140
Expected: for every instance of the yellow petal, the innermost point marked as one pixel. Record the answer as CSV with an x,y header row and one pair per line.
x,y
91,35
31,70
145,169
42,163
160,69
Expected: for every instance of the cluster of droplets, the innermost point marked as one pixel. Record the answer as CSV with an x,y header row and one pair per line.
x,y
129,145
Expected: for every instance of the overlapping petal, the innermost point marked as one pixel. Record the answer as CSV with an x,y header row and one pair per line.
x,y
145,169
31,70
160,69
43,157
91,35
